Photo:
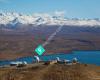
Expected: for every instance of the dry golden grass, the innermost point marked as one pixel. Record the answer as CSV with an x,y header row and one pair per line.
x,y
51,72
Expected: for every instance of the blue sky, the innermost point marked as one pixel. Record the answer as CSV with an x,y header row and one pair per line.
x,y
73,8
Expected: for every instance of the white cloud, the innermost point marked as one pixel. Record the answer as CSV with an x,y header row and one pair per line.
x,y
60,13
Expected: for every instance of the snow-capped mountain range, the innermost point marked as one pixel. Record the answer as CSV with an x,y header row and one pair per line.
x,y
13,18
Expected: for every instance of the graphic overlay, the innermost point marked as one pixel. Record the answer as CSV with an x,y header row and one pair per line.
x,y
40,50
52,36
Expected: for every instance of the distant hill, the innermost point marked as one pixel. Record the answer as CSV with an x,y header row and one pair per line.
x,y
20,34
18,42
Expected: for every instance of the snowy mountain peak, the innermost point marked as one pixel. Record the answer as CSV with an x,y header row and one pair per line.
x,y
47,19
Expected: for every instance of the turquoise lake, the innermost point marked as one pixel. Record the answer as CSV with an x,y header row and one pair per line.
x,y
89,57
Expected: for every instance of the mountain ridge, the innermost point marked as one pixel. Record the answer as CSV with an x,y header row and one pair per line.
x,y
13,18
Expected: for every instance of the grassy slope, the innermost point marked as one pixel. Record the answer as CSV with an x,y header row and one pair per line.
x,y
51,72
